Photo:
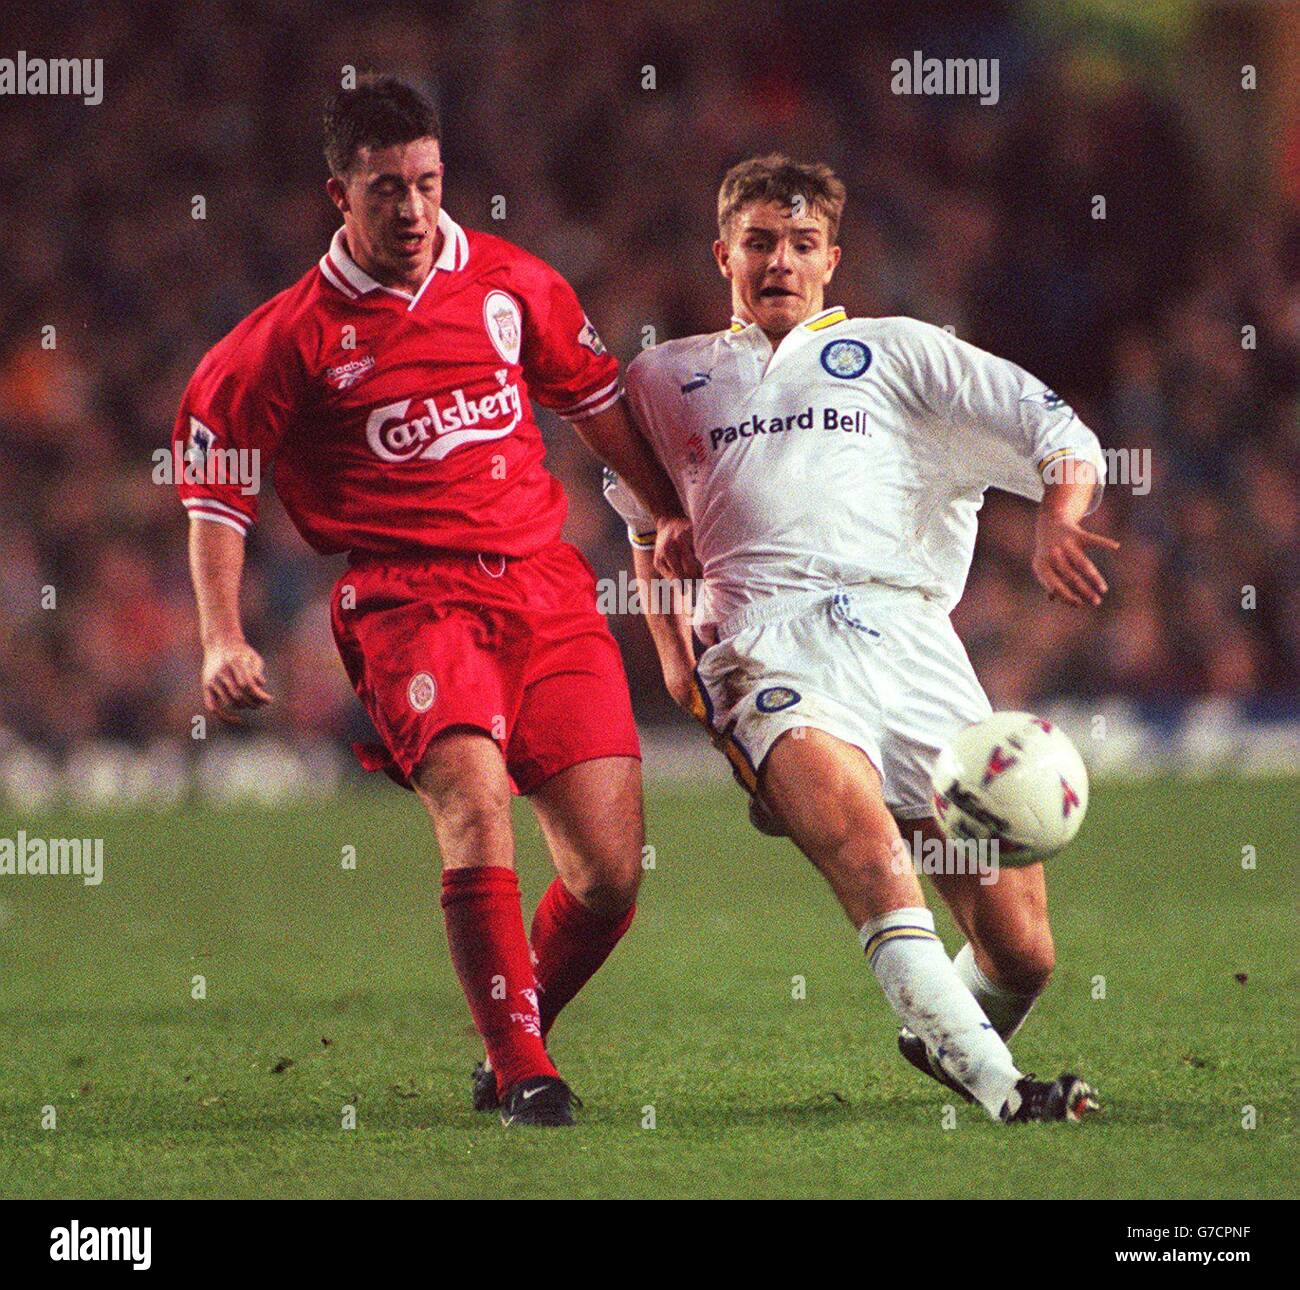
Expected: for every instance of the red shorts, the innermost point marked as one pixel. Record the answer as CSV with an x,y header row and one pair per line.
x,y
513,647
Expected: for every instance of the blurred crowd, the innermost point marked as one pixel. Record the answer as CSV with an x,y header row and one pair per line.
x,y
606,128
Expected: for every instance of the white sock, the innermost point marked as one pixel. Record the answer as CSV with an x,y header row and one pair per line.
x,y
1005,1008
923,987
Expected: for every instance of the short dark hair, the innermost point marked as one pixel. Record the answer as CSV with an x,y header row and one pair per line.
x,y
377,113
775,178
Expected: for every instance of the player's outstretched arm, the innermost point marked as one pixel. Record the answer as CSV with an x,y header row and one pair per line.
x,y
1060,561
669,620
612,435
234,675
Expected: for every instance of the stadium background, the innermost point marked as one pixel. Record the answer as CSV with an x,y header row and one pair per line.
x,y
962,214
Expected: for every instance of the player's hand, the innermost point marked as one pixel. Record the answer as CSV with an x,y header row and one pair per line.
x,y
675,549
1061,563
234,677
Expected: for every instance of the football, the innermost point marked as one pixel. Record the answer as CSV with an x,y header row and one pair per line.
x,y
1014,777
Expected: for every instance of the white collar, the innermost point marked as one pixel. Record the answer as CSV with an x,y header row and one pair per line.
x,y
818,322
343,272
753,336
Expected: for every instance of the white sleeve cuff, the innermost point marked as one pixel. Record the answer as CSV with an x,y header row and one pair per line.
x,y
207,508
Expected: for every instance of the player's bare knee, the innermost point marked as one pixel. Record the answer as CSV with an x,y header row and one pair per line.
x,y
606,899
472,825
608,889
1024,962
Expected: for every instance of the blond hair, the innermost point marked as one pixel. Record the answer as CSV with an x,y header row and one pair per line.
x,y
775,178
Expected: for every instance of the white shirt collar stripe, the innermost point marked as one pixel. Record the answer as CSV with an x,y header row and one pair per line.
x,y
741,324
338,264
333,278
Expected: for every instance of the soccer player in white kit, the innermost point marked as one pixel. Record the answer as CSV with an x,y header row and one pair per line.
x,y
832,468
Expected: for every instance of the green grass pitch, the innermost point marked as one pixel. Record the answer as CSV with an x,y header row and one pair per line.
x,y
329,987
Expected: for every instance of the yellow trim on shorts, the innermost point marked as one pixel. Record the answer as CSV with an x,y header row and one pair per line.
x,y
723,741
700,709
740,763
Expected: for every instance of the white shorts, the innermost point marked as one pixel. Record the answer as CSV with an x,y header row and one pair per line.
x,y
879,667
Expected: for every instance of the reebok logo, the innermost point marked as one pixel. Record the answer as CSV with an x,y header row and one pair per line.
x,y
345,375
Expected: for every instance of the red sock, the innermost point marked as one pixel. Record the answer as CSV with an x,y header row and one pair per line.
x,y
569,944
485,931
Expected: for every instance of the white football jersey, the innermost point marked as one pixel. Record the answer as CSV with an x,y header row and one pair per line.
x,y
857,451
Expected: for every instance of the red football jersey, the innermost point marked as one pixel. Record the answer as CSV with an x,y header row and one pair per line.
x,y
397,422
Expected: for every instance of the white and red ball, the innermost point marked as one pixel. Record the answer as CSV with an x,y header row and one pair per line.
x,y
1014,777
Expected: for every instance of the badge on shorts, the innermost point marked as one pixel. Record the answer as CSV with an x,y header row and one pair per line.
x,y
776,698
846,358
421,692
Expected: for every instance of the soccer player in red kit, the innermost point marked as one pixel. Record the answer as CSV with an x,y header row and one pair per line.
x,y
390,387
